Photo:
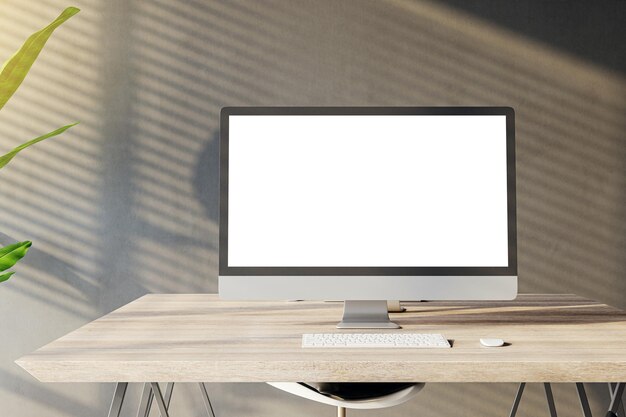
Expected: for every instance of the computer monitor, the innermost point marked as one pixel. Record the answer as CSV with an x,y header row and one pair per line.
x,y
367,204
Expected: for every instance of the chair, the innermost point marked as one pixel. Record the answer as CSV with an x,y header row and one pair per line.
x,y
361,396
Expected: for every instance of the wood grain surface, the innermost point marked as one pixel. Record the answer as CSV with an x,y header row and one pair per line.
x,y
197,337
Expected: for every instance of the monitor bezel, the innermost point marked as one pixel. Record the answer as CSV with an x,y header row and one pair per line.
x,y
510,270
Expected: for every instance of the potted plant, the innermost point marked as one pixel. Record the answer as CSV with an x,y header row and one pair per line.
x,y
12,74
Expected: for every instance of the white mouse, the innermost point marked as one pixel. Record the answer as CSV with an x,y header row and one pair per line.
x,y
492,342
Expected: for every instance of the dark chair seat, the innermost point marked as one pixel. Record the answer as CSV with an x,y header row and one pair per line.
x,y
352,391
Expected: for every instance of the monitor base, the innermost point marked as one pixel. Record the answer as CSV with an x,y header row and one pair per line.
x,y
370,314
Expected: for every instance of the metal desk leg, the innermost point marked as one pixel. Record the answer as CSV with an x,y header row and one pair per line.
x,y
169,389
550,399
146,401
146,398
582,396
207,401
156,391
616,398
621,404
518,398
118,399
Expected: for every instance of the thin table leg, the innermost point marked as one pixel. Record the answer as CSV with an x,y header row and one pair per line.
x,y
156,390
207,401
582,396
616,397
146,401
169,389
621,404
518,398
118,399
550,399
147,396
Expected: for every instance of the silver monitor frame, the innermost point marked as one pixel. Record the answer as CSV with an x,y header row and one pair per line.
x,y
368,284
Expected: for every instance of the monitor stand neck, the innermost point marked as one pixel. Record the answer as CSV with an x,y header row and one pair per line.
x,y
358,314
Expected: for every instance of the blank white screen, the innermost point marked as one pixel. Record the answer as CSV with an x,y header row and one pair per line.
x,y
386,191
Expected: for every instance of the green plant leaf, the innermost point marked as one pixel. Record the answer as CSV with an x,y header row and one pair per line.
x,y
15,69
6,276
11,247
9,255
6,158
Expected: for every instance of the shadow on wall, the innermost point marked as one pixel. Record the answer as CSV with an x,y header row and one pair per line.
x,y
67,293
206,182
573,29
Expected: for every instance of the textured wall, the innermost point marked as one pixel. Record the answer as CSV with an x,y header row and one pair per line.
x,y
126,202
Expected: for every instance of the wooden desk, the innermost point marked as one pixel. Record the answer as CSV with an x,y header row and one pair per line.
x,y
193,338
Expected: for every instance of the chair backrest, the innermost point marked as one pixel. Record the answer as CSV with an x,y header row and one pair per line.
x,y
384,401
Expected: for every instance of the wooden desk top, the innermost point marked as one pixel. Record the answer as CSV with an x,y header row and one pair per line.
x,y
191,338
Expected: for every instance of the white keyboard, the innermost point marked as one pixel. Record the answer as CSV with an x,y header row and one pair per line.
x,y
374,340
